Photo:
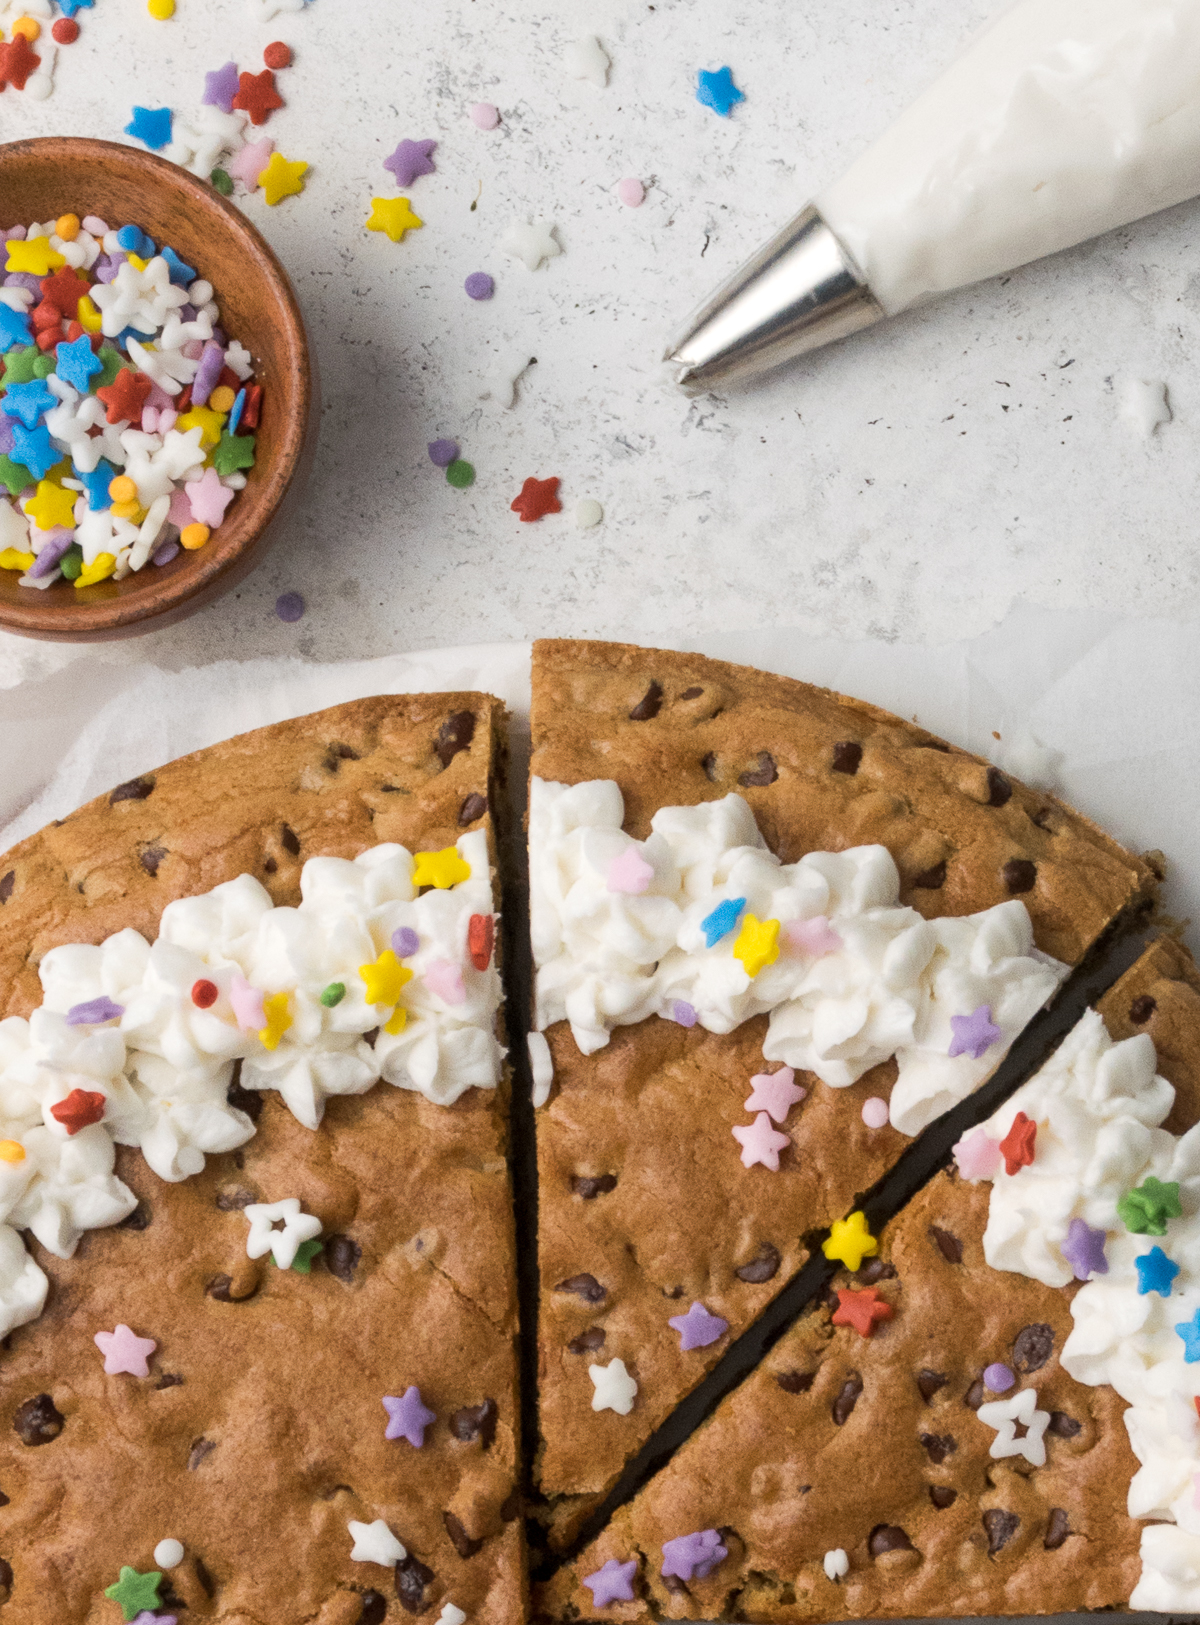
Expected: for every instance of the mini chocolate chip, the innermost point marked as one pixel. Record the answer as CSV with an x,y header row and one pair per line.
x,y
764,771
200,1448
150,857
762,1267
139,1219
4,1499
207,1584
1042,818
510,1507
942,1496
461,1541
169,1598
337,754
169,1379
583,1286
1001,1527
938,1446
888,1537
370,1037
847,754
374,1608
269,866
795,1382
649,705
1032,1347
476,1422
342,1255
218,1288
671,1292
132,790
1063,1426
235,1201
411,1579
454,735
928,1382
973,1398
948,1244
847,1399
933,878
1057,1530
593,1338
1019,875
7,884
472,808
691,694
1142,1008
709,764
291,841
249,1101
589,1186
38,1421
999,787
6,1579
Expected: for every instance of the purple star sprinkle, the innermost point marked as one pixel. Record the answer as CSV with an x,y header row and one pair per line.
x,y
25,279
684,1013
94,1012
407,1417
612,1583
479,285
405,941
289,606
973,1034
1084,1250
998,1379
693,1556
410,159
165,553
442,452
220,87
697,1329
107,266
55,543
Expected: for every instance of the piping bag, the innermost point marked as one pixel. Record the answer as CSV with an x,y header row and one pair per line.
x,y
1060,119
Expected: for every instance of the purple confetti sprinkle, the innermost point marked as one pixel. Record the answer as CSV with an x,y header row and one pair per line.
x,y
479,285
6,433
187,313
289,606
442,452
15,234
23,279
684,1013
55,543
95,1012
405,941
212,359
165,553
107,266
998,1378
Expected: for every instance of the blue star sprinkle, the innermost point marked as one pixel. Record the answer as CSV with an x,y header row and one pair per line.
x,y
1189,1330
14,328
722,920
27,401
33,450
76,363
718,91
151,125
1155,1272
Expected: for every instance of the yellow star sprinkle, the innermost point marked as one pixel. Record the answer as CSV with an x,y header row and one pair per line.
x,y
34,255
11,1151
281,179
206,420
275,1009
398,1022
385,978
11,559
101,567
850,1241
53,505
89,317
757,944
441,869
393,215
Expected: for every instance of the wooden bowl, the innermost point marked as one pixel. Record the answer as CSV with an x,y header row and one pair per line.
x,y
40,180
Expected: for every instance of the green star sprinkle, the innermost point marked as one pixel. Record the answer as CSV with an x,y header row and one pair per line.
x,y
18,365
14,475
44,365
333,994
137,1593
305,1253
460,474
222,182
112,362
1146,1210
233,452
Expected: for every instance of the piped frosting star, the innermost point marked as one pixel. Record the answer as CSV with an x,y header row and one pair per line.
x,y
407,1417
761,1143
124,1350
973,1035
375,1543
1155,1273
615,1389
1017,1146
629,872
612,1582
815,937
977,1155
693,1557
862,1310
410,160
718,91
850,1241
393,216
282,1243
1084,1250
775,1093
697,1329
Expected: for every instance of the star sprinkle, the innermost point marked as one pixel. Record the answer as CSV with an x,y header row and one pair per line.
x,y
757,945
233,452
393,216
407,1417
17,62
718,91
410,160
33,448
977,1155
1155,1273
208,498
124,1351
135,1592
1145,1211
1005,1414
80,1109
615,1388
441,869
19,364
536,499
444,978
278,1020
850,1241
248,164
862,1310
14,328
282,178
613,1582
587,59
722,920
775,1093
815,937
282,1244
77,364
973,1035
220,87
385,978
206,420
151,126
693,1557
375,1543
1084,1250
247,1004
532,242
761,1143
697,1329
629,873
28,402
1017,1146
257,96
125,396
54,507
33,255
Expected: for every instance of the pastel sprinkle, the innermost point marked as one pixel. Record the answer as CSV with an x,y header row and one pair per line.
x,y
815,937
442,452
631,192
94,1012
1084,1249
393,216
760,1143
875,1112
613,1582
998,1379
220,87
460,474
683,1013
629,873
697,1329
774,1093
411,160
289,606
408,1418
124,1351
721,921
695,1556
483,115
973,1035
444,979
333,995
479,285
405,941
588,513
977,1155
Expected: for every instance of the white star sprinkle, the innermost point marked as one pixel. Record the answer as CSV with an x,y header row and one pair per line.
x,y
532,241
375,1543
587,59
1004,1414
14,528
450,1615
138,299
615,1388
284,1244
500,385
199,144
170,369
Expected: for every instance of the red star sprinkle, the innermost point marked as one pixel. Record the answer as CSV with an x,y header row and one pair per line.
x,y
1017,1145
81,1108
257,95
126,396
17,62
46,314
64,290
481,938
861,1310
537,498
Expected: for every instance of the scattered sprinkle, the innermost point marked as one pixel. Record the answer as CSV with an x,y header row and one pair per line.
x,y
442,452
850,1241
631,192
289,606
973,1035
760,1143
629,873
393,216
815,937
863,1310
977,1155
483,115
440,869
460,474
248,165
613,1582
407,1417
998,1379
836,1564
282,178
683,1013
588,513
1084,1249
1189,1330
410,161
1155,1273
136,1593
257,96
1145,1211
124,1351
721,920
757,945
587,59
1005,1414
375,1543
283,1244
161,9
615,1389
65,30
151,126
1017,1146
689,1557
718,91
204,994
405,941
774,1093
479,285
875,1112
277,55
220,87
168,1554
697,1329
532,242
536,499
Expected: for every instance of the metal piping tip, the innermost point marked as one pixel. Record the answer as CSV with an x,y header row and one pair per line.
x,y
799,292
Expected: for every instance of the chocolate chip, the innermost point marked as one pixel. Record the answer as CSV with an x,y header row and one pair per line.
x,y
150,857
249,1101
691,694
1142,1008
938,1446
219,1288
6,1579
1057,1530
411,1579
999,787
455,734
4,1499
1032,1347
709,764
38,1421
589,1186
764,771
335,755
460,1540
290,840
593,1338
973,1398
649,705
795,1382
1063,1426
476,1422
200,1448
583,1286
472,808
929,1382
847,754
847,1399
948,1244
1042,818
234,1201
762,1267
131,790
139,1219
510,1507
671,1292
7,884
1019,875
888,1537
169,1379
342,1255
269,866
933,878
942,1496
374,1609
875,1269
207,1584
1001,1527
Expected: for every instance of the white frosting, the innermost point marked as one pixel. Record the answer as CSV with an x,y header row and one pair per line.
x,y
608,958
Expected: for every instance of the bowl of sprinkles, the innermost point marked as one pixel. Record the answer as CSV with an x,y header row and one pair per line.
x,y
156,392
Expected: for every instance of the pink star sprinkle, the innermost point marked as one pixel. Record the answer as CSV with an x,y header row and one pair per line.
x,y
248,164
209,498
444,978
247,1005
761,1143
123,1350
812,937
630,873
977,1155
775,1092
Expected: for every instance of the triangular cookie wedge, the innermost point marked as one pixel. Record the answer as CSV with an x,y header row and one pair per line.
x,y
730,1050
943,1436
261,1362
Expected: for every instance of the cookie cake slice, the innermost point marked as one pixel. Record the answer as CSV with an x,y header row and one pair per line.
x,y
256,1257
